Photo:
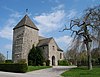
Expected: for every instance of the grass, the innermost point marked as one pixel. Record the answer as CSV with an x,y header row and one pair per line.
x,y
33,68
82,72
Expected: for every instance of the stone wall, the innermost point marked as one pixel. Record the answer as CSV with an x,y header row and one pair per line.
x,y
53,52
45,50
60,55
28,36
17,43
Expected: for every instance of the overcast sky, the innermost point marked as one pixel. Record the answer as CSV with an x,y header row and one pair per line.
x,y
49,16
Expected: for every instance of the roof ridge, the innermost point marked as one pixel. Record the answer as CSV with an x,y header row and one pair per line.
x,y
45,38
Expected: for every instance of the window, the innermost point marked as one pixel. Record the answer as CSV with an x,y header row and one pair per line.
x,y
53,47
60,55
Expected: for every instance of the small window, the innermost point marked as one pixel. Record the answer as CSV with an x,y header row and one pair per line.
x,y
53,47
60,55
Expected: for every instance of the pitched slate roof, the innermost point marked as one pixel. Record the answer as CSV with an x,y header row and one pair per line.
x,y
41,37
45,42
26,21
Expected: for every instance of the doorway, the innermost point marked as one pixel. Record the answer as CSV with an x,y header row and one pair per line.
x,y
53,60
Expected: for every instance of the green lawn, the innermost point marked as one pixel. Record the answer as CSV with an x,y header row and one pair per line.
x,y
33,68
82,72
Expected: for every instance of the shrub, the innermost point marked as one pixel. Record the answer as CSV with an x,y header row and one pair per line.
x,y
30,62
19,68
35,57
63,63
8,61
22,61
47,62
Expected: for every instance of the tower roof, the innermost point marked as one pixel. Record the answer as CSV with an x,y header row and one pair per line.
x,y
26,21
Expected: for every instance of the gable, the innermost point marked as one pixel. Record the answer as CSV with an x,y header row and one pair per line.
x,y
44,42
58,49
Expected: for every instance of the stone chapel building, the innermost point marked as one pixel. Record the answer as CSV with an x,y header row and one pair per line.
x,y
25,34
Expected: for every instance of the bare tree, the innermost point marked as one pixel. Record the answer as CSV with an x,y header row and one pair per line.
x,y
2,58
86,31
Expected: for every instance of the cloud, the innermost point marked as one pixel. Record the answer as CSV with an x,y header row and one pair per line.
x,y
7,31
71,14
54,19
64,42
64,39
16,15
9,9
8,47
55,1
51,21
59,7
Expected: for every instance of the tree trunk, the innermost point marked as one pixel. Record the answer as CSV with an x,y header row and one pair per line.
x,y
89,56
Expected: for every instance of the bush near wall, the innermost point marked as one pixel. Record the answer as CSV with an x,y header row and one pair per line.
x,y
18,68
47,62
63,63
8,61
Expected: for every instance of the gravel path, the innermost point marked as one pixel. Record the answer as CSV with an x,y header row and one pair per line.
x,y
49,72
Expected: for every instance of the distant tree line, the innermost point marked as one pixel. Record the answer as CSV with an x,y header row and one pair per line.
x,y
2,58
80,58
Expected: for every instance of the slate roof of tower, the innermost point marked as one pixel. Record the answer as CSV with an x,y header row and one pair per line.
x,y
26,21
45,42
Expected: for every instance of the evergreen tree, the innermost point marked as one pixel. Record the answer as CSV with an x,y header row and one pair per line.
x,y
31,56
35,56
39,56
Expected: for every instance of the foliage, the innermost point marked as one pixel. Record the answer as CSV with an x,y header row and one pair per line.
x,y
82,72
47,62
63,63
19,68
2,58
95,56
86,31
35,57
33,68
22,61
8,61
82,58
71,56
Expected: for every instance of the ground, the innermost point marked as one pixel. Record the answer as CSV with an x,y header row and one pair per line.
x,y
49,72
83,72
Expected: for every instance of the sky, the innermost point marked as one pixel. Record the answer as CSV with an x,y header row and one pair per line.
x,y
50,16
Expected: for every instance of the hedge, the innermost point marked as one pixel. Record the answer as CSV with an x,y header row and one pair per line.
x,y
18,68
47,62
8,61
63,63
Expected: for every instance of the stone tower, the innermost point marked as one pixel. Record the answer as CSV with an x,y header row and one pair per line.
x,y
25,34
